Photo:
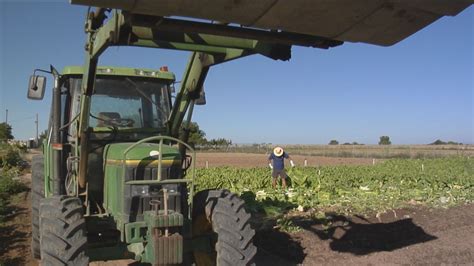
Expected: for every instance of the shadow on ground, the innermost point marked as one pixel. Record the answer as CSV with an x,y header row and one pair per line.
x,y
353,235
12,238
278,248
274,247
359,236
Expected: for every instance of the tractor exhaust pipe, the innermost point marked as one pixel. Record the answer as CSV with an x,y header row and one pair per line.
x,y
55,137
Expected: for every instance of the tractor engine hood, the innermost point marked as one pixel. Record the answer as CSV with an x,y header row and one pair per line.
x,y
144,155
131,201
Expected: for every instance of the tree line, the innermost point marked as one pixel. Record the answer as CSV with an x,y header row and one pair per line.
x,y
197,138
385,140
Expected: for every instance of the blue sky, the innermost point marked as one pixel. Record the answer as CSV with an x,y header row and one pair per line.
x,y
416,91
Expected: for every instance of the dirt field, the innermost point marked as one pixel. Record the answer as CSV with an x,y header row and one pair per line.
x,y
408,236
415,236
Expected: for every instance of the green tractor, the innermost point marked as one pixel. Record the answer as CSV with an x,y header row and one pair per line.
x,y
115,180
132,201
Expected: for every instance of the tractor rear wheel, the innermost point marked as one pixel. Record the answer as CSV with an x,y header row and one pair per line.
x,y
63,235
220,216
37,189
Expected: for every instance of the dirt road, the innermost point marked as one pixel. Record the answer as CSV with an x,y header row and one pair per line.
x,y
409,236
15,232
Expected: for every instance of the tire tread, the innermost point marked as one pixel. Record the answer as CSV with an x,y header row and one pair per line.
x,y
63,235
37,193
230,221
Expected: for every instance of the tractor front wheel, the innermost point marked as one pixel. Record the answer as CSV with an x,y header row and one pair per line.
x,y
219,216
63,236
37,193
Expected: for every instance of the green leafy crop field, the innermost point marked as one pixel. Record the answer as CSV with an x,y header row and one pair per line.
x,y
393,184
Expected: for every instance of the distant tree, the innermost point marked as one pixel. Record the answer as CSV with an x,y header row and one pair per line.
x,y
42,136
196,135
346,143
355,143
219,143
385,140
334,142
438,142
5,132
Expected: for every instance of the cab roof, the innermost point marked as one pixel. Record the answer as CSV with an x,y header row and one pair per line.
x,y
162,73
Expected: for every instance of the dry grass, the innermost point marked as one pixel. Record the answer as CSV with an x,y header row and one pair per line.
x,y
363,151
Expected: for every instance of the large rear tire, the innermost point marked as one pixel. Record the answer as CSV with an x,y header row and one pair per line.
x,y
220,215
37,193
63,231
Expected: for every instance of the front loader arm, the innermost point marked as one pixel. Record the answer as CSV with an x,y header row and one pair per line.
x,y
191,87
211,44
192,84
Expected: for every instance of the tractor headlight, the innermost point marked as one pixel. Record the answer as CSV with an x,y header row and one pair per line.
x,y
145,191
140,191
172,188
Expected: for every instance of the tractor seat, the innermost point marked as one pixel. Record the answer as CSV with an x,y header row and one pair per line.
x,y
107,116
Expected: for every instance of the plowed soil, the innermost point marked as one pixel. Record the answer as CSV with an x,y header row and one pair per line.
x,y
417,235
414,236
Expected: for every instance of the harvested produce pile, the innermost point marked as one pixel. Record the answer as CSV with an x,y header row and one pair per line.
x,y
351,189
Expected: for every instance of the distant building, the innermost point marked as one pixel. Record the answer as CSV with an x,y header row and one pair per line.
x,y
31,143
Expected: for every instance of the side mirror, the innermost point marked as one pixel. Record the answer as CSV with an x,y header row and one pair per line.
x,y
36,87
202,99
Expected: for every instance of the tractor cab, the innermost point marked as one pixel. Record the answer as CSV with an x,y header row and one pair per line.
x,y
127,104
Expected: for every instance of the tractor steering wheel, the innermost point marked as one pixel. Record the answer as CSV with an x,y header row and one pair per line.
x,y
122,122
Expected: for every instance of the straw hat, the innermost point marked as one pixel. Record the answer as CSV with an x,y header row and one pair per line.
x,y
278,151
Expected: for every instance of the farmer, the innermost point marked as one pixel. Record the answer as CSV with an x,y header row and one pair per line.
x,y
277,164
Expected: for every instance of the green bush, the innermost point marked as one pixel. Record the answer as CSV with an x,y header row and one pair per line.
x,y
20,147
8,187
10,157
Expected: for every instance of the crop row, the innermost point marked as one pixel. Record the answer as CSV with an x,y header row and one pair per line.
x,y
389,185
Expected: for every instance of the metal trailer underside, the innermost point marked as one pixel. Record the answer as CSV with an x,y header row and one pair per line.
x,y
379,22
